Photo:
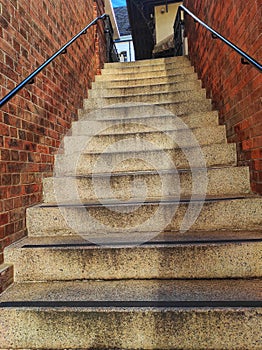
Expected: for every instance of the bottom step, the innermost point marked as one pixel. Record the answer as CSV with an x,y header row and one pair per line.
x,y
154,314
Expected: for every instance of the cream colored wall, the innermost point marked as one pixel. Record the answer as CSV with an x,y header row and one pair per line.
x,y
165,20
110,11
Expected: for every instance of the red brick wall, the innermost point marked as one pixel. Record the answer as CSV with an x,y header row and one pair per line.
x,y
235,89
33,123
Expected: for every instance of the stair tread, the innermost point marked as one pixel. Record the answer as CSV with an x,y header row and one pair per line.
x,y
138,291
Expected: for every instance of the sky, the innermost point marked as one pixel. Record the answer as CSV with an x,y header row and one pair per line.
x,y
118,3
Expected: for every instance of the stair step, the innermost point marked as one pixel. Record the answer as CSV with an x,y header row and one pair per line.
x,y
218,314
173,97
176,77
154,158
120,121
138,140
65,259
139,215
109,91
136,69
131,110
186,69
220,181
149,62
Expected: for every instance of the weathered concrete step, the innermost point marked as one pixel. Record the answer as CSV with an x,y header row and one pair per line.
x,y
136,81
136,216
97,91
175,97
104,123
149,315
139,141
80,259
135,69
147,74
149,62
220,181
152,158
136,109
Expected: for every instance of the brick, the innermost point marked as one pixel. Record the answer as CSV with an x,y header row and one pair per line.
x,y
234,88
33,123
4,218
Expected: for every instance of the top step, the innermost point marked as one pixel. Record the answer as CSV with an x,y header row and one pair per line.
x,y
146,68
149,62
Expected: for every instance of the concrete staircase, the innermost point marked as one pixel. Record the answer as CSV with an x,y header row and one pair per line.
x,y
148,236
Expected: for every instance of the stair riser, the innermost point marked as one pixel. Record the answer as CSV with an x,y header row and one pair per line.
x,y
244,214
139,328
82,164
135,81
138,141
225,260
90,123
224,181
167,88
152,98
144,75
144,69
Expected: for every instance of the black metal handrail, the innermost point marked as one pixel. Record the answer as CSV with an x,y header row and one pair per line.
x,y
63,50
245,57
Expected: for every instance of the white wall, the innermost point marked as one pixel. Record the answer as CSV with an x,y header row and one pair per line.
x,y
125,43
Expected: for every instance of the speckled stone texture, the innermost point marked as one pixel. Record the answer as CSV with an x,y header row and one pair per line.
x,y
123,266
228,214
228,258
140,327
236,182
